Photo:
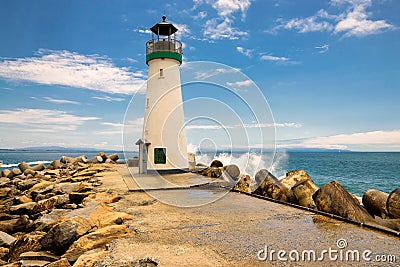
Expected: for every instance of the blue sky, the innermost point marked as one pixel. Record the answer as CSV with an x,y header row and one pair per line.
x,y
328,69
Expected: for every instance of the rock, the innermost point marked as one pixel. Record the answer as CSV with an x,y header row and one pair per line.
x,y
69,187
294,177
47,221
46,204
84,173
104,216
4,181
114,157
14,172
23,166
25,243
27,184
21,209
5,172
233,171
39,167
279,192
216,163
19,224
39,255
42,187
70,206
62,235
97,239
5,192
63,262
303,192
3,254
393,204
90,257
56,164
212,172
375,202
103,156
334,199
243,184
104,197
6,240
263,179
30,172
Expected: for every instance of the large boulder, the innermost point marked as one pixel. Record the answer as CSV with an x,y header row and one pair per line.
x,y
263,180
375,202
62,235
25,243
303,192
243,185
6,240
213,172
97,239
216,163
333,198
393,204
294,177
16,224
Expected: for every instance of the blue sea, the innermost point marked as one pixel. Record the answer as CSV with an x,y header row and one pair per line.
x,y
356,171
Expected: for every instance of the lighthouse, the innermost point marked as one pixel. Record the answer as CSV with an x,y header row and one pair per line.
x,y
163,147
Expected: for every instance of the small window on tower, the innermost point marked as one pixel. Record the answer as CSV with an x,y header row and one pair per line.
x,y
147,102
160,155
161,73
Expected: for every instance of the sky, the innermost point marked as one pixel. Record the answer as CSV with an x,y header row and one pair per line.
x,y
328,71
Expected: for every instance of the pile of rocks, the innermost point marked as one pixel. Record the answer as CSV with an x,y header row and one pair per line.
x,y
55,215
377,208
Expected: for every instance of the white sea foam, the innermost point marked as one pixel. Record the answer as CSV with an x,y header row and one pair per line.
x,y
31,163
250,162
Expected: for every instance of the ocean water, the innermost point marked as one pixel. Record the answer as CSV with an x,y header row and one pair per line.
x,y
356,171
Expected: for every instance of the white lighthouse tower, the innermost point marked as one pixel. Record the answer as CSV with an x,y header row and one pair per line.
x,y
163,147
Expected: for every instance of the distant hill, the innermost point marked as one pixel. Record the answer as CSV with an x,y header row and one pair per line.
x,y
56,149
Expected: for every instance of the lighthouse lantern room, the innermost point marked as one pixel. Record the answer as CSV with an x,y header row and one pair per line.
x,y
163,147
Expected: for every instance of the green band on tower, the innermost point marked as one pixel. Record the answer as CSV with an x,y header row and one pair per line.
x,y
164,54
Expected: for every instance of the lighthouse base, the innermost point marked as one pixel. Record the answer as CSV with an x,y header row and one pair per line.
x,y
168,171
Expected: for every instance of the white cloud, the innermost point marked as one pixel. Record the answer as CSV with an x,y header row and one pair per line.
x,y
240,83
245,125
244,51
67,68
43,120
309,24
273,58
201,15
228,7
108,98
145,31
322,48
373,139
354,21
217,29
57,101
113,124
222,26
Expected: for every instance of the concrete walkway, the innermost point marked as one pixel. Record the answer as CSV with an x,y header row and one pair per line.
x,y
144,182
238,230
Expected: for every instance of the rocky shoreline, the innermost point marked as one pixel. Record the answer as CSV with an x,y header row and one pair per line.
x,y
52,216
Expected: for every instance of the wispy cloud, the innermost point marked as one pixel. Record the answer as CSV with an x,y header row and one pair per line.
x,y
43,120
373,139
108,98
245,125
354,21
67,68
244,51
274,58
222,27
322,48
57,101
